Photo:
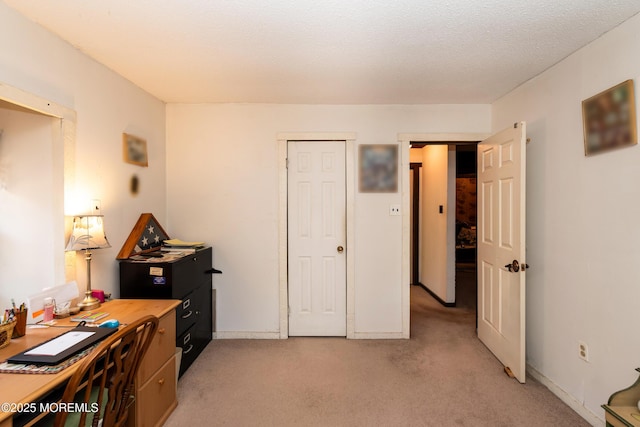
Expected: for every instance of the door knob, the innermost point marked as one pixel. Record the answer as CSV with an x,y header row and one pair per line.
x,y
340,249
514,267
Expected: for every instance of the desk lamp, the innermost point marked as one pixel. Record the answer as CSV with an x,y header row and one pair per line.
x,y
88,234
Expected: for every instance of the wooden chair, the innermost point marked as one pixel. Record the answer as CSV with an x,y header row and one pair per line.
x,y
104,382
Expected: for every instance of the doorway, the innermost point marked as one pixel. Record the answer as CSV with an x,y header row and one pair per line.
x,y
466,226
443,221
283,201
317,230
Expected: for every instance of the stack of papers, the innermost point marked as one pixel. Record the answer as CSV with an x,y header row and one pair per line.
x,y
182,243
177,245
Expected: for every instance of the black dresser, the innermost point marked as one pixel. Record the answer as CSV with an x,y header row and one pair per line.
x,y
188,279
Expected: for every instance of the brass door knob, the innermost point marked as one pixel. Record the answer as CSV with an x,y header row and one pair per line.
x,y
514,267
340,249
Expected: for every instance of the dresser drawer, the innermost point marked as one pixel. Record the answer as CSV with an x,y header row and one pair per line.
x,y
156,399
186,314
162,347
188,342
162,280
190,272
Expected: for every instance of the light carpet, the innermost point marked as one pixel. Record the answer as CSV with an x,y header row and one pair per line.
x,y
442,376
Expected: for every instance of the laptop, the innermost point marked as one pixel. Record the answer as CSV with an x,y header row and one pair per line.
x,y
58,349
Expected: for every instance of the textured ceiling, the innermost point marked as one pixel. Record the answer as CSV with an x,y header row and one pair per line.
x,y
328,51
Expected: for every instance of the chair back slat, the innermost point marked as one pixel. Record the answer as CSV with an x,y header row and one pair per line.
x,y
104,382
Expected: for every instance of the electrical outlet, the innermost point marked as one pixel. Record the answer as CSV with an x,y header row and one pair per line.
x,y
394,209
583,351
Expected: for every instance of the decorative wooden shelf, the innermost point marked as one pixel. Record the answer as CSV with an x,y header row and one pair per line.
x,y
622,408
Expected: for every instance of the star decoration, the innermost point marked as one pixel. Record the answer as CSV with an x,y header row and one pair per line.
x,y
145,241
156,239
150,229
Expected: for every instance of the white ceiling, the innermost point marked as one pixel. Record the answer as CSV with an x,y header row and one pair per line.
x,y
328,51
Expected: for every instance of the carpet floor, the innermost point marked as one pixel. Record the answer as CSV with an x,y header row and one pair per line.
x,y
442,376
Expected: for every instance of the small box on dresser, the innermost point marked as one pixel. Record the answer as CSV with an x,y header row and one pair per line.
x,y
187,279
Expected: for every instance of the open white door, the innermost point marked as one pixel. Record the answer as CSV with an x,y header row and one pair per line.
x,y
501,246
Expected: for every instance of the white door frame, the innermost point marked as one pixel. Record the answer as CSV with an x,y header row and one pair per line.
x,y
283,138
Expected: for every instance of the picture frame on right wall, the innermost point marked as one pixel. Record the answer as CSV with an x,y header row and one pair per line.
x,y
609,119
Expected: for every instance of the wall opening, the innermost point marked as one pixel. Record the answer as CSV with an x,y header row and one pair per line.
x,y
444,221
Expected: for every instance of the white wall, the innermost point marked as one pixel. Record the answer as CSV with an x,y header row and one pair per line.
x,y
582,225
437,268
33,60
222,164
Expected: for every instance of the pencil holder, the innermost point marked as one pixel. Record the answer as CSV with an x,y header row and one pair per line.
x,y
21,324
6,329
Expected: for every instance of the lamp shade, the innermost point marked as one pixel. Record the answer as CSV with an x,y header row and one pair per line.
x,y
88,233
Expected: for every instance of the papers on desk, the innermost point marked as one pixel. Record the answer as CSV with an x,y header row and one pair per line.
x,y
182,243
60,344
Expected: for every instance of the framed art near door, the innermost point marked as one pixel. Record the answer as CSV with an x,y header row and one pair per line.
x,y
378,164
609,119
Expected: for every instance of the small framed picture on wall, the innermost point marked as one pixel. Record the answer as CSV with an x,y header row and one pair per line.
x,y
378,167
134,150
609,119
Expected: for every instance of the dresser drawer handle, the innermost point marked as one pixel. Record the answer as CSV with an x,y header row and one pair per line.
x,y
161,331
186,304
186,339
187,315
161,381
188,350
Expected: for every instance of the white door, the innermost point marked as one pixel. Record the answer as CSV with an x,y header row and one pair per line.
x,y
501,246
317,238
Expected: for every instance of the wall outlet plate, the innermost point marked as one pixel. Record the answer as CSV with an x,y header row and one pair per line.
x,y
583,351
394,210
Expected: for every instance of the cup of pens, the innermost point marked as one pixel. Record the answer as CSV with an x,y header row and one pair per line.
x,y
21,322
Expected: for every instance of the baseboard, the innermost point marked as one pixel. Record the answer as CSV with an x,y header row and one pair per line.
x,y
229,335
378,336
569,400
436,297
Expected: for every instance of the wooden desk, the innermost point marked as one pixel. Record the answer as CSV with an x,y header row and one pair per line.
x,y
155,380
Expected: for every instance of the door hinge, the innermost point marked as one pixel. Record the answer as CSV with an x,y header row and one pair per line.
x,y
515,125
287,163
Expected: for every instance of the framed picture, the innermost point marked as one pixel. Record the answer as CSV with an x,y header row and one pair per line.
x,y
609,119
134,150
378,168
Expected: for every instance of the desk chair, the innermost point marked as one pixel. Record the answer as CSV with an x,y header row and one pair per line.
x,y
107,376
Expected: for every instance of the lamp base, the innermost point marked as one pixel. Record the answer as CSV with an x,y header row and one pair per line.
x,y
89,302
